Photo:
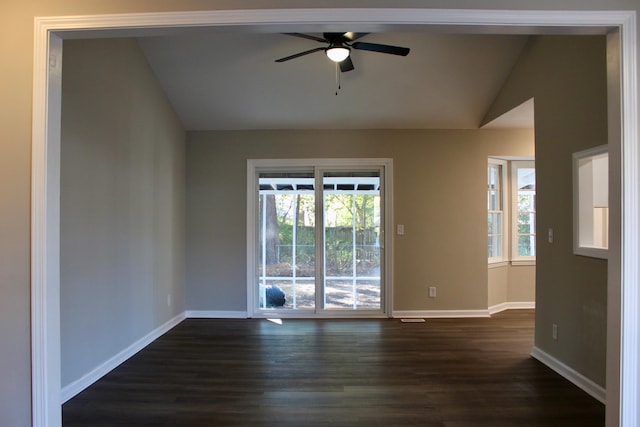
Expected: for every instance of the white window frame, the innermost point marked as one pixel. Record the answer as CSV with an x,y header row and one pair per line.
x,y
504,196
515,258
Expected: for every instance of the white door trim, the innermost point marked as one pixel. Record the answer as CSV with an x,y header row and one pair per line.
x,y
49,31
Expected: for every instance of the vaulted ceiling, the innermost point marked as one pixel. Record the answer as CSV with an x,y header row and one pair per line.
x,y
230,80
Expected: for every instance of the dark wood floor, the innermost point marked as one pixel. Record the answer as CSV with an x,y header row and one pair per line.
x,y
444,372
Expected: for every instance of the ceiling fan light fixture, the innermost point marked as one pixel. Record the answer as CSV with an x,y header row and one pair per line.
x,y
338,53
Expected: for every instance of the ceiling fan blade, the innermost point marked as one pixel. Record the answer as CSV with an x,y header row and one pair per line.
x,y
346,65
382,48
308,37
298,55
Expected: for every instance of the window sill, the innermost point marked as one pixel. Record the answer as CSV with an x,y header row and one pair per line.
x,y
497,264
514,263
523,262
591,252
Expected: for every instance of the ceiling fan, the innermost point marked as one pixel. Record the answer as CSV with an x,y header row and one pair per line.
x,y
340,45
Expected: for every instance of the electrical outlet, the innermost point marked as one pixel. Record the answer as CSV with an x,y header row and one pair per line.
x,y
169,300
432,291
554,331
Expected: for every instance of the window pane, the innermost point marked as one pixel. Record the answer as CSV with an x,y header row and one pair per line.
x,y
305,236
525,211
493,200
286,256
495,246
494,234
494,188
490,246
494,225
494,207
339,294
368,294
352,215
526,178
287,294
525,228
526,245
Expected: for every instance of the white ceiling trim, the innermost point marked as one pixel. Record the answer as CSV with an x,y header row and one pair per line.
x,y
46,149
67,26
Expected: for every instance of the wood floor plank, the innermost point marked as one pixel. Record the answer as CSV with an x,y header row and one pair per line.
x,y
365,372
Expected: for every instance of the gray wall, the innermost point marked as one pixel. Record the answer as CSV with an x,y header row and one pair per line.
x,y
122,204
439,195
567,77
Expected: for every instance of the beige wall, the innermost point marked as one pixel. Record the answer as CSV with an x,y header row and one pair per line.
x,y
567,77
511,284
497,285
439,196
522,281
16,68
122,229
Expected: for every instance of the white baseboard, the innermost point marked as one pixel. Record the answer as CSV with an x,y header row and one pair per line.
x,y
594,390
411,314
86,380
512,306
215,314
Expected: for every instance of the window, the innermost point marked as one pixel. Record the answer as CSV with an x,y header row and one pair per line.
x,y
495,210
523,183
511,233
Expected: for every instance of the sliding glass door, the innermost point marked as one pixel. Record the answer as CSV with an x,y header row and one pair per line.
x,y
318,247
352,229
287,235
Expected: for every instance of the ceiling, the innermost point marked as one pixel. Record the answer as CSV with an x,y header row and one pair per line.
x,y
230,81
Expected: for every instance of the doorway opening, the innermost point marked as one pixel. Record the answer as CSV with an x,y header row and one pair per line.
x,y
45,172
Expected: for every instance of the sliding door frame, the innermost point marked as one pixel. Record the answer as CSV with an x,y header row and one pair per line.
x,y
255,166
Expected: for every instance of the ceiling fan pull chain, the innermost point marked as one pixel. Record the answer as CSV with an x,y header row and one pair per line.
x,y
337,78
